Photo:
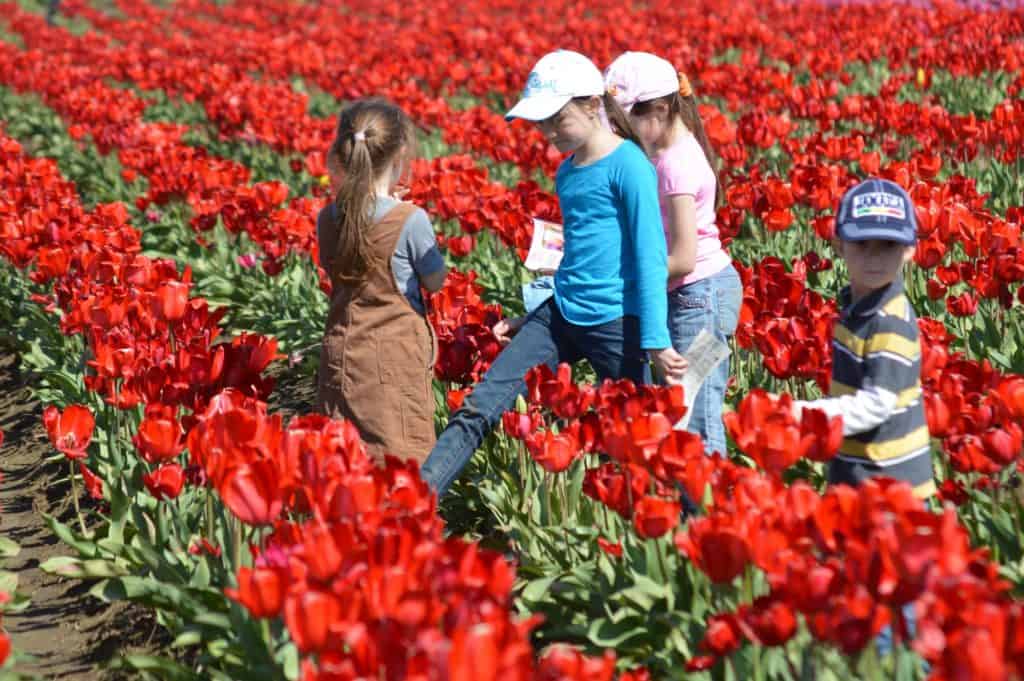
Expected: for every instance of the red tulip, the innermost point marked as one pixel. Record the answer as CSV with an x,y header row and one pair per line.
x,y
613,550
460,246
322,555
701,663
260,590
555,452
823,435
765,430
768,622
70,431
635,675
202,545
717,550
159,438
723,635
253,492
165,482
308,614
963,305
564,663
455,398
171,300
93,483
653,517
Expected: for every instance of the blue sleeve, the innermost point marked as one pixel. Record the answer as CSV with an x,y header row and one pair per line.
x,y
641,214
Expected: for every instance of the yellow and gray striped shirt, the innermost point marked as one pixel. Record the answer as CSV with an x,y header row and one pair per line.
x,y
876,387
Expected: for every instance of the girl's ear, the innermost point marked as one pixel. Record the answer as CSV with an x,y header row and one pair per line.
x,y
592,107
908,254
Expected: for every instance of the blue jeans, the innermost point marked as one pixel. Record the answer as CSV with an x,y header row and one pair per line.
x,y
613,349
712,303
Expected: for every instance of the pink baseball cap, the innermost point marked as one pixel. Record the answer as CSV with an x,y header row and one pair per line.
x,y
640,77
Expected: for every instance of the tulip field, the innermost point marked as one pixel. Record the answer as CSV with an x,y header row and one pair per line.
x,y
161,169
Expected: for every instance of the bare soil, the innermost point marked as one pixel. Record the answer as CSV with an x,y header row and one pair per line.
x,y
68,633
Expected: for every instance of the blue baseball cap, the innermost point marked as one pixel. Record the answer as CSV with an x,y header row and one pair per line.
x,y
877,209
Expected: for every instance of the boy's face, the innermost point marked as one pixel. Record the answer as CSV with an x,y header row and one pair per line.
x,y
873,264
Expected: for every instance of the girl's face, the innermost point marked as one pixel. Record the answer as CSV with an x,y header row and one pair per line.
x,y
652,126
571,127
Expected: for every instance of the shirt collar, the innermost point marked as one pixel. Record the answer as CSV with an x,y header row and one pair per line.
x,y
871,303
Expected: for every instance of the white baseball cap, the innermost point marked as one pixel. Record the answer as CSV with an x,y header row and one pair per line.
x,y
557,78
640,77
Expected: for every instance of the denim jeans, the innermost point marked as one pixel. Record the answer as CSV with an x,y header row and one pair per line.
x,y
884,641
537,292
712,303
613,349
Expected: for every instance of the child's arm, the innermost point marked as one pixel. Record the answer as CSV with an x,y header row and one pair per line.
x,y
682,230
862,411
642,223
426,259
891,361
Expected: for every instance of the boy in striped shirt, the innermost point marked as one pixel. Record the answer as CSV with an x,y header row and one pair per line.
x,y
876,362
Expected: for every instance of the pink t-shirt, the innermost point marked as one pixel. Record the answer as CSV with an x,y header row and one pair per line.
x,y
683,169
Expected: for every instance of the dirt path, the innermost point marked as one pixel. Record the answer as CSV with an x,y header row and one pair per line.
x,y
71,634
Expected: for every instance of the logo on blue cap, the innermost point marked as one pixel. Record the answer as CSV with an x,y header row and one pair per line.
x,y
879,205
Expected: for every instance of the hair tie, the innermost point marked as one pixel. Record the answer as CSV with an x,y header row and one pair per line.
x,y
685,90
359,135
612,90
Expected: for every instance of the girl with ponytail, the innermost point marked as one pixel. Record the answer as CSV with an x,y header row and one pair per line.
x,y
704,288
377,355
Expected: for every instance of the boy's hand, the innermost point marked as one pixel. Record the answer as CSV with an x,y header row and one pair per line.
x,y
506,328
669,364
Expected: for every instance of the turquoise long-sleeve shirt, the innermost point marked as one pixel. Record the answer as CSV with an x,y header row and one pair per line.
x,y
615,261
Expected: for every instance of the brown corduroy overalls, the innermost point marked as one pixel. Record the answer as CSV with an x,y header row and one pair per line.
x,y
378,353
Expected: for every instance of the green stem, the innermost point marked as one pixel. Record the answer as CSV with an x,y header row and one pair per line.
x,y
210,536
658,546
265,632
236,543
793,671
869,659
74,497
113,431
748,596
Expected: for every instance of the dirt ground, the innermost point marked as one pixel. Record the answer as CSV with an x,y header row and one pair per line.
x,y
70,634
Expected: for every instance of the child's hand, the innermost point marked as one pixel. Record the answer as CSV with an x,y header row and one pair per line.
x,y
669,364
506,328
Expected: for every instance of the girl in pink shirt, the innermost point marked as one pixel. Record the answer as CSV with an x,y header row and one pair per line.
x,y
705,291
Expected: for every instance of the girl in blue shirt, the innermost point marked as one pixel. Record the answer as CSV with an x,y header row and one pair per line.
x,y
610,304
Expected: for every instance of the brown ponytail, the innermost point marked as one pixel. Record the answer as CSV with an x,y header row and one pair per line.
x,y
684,107
620,120
371,135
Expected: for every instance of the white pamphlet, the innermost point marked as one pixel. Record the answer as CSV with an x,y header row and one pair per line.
x,y
546,248
703,355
